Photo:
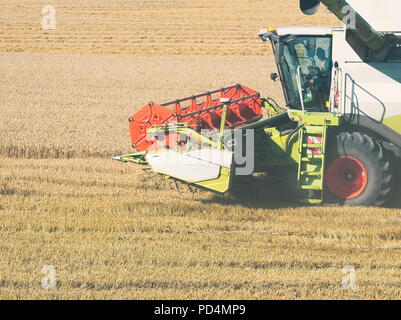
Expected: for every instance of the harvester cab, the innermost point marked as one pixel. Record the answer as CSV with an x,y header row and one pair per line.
x,y
337,141
304,62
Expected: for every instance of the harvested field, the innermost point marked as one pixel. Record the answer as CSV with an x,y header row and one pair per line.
x,y
112,234
147,27
64,106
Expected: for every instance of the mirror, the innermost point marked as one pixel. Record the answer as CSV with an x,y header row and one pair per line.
x,y
274,76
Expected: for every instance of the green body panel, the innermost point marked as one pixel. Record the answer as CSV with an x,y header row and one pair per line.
x,y
280,149
221,184
271,109
394,123
269,149
315,118
136,158
302,149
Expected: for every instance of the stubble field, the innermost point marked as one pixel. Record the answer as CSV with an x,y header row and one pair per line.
x,y
147,27
111,230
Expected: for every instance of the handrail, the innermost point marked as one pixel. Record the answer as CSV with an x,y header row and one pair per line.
x,y
337,86
298,76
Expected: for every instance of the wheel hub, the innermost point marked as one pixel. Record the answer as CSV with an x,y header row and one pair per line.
x,y
346,178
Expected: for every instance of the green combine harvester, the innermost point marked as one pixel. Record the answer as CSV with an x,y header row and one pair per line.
x,y
338,140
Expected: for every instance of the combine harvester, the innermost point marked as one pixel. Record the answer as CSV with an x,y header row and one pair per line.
x,y
338,141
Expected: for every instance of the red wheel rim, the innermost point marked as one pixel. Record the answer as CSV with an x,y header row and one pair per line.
x,y
346,178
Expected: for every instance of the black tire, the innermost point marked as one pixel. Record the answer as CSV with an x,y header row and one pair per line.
x,y
394,200
372,177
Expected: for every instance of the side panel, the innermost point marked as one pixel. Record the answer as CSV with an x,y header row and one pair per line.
x,y
373,90
342,51
370,94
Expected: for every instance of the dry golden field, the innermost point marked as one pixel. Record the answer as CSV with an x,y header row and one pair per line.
x,y
147,27
114,231
78,106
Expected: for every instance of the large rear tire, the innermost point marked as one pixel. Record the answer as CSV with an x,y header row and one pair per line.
x,y
358,172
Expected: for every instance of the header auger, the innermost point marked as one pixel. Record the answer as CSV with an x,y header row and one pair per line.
x,y
337,142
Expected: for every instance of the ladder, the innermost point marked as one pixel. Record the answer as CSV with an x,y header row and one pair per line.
x,y
311,164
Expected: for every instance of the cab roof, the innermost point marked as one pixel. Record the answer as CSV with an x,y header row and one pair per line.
x,y
317,31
